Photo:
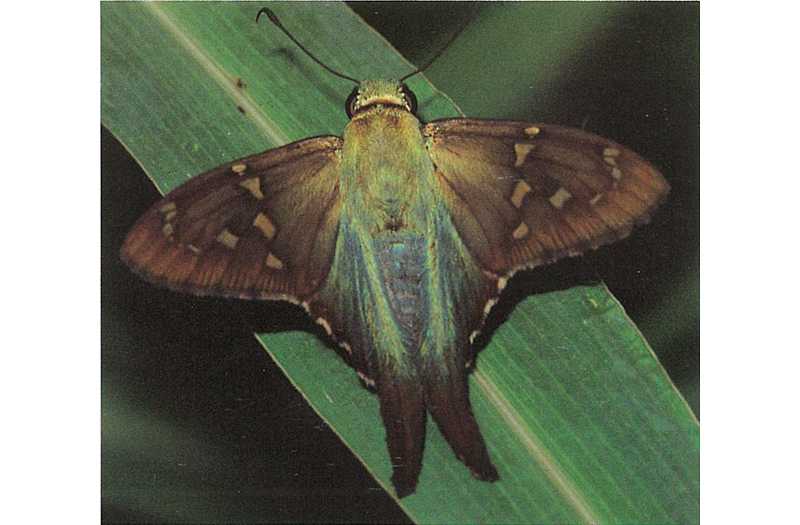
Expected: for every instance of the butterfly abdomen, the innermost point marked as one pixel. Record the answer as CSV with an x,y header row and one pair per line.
x,y
401,260
378,287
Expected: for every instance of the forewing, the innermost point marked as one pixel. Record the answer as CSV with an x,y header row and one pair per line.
x,y
263,227
524,194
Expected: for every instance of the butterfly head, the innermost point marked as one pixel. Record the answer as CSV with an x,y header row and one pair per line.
x,y
372,93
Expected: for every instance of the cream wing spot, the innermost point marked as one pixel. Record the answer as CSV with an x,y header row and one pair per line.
x,y
560,197
263,223
522,150
365,379
324,324
532,131
239,168
596,199
169,211
489,305
520,190
501,284
609,157
273,262
521,231
227,239
253,185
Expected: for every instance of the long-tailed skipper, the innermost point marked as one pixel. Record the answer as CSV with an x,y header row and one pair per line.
x,y
398,237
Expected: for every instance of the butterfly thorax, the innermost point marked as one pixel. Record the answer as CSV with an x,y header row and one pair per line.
x,y
386,168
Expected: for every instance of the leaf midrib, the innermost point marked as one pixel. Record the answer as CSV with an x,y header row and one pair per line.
x,y
534,446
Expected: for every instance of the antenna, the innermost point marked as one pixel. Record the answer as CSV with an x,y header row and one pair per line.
x,y
274,19
442,49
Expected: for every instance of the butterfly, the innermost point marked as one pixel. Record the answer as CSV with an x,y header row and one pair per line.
x,y
398,237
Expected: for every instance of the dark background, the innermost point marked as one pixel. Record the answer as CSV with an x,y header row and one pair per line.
x,y
264,454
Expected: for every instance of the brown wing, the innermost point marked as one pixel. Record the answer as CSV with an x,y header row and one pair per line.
x,y
263,227
523,194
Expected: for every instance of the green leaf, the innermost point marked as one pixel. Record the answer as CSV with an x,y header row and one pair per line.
x,y
583,424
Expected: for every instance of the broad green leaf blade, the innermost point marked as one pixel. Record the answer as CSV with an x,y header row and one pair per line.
x,y
581,421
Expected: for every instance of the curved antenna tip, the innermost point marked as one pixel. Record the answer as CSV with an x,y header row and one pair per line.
x,y
274,19
270,14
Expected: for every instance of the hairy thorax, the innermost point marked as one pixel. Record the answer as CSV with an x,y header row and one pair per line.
x,y
389,170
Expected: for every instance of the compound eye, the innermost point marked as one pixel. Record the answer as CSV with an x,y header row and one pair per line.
x,y
350,103
411,98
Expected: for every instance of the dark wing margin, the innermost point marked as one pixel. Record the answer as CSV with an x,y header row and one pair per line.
x,y
525,194
262,227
